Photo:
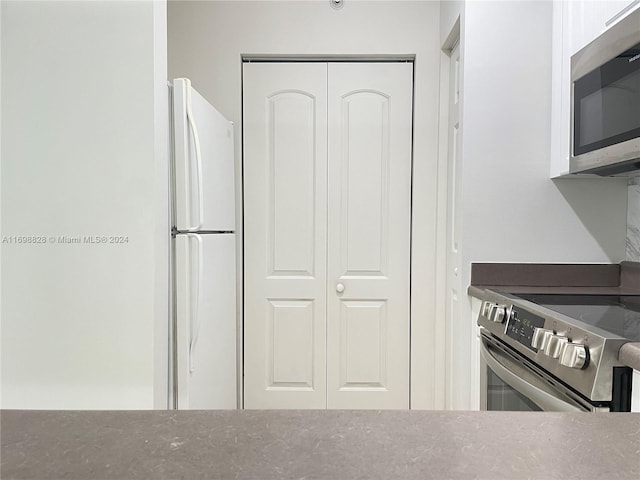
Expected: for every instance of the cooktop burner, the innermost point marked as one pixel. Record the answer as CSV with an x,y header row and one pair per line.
x,y
619,315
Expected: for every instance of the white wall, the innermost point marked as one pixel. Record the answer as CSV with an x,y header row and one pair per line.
x,y
511,211
207,39
81,82
506,114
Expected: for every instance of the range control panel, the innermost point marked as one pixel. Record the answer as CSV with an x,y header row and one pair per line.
x,y
570,350
527,329
521,326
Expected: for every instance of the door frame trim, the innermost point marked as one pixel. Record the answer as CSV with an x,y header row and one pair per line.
x,y
443,329
269,58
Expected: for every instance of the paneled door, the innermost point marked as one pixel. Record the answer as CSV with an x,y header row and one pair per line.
x,y
369,235
285,234
327,212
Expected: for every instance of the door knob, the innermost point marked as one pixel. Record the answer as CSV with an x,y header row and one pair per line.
x,y
340,288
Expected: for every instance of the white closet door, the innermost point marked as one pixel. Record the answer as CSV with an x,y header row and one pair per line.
x,y
370,123
285,183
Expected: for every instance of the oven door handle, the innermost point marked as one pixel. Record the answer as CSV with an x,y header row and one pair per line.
x,y
540,396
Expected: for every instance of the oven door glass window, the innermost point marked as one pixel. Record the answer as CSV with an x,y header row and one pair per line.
x,y
502,397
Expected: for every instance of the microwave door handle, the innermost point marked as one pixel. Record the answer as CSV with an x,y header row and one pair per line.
x,y
543,399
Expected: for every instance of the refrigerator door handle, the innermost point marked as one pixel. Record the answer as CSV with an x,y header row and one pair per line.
x,y
196,141
194,323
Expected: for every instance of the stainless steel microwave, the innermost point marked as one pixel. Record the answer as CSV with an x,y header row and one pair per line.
x,y
605,102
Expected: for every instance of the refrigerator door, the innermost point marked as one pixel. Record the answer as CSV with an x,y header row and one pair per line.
x,y
206,321
203,163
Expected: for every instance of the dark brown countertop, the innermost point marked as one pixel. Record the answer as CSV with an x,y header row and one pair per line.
x,y
556,278
318,445
477,290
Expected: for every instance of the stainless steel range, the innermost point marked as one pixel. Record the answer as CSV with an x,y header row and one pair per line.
x,y
556,352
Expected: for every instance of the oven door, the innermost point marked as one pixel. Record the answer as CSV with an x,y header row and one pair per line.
x,y
508,384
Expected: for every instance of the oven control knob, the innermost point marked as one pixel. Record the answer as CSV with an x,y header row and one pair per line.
x,y
494,312
498,313
486,308
547,335
539,339
574,355
555,345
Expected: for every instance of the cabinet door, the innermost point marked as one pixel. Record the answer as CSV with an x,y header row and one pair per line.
x,y
370,120
285,204
591,18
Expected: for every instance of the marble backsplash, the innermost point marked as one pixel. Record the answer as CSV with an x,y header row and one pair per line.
x,y
633,220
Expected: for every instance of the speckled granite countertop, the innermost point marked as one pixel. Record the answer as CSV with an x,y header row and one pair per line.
x,y
318,445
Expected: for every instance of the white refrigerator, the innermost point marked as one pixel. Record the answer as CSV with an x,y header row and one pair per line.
x,y
203,373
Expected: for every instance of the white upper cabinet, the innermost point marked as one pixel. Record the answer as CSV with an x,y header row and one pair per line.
x,y
590,18
575,24
560,91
